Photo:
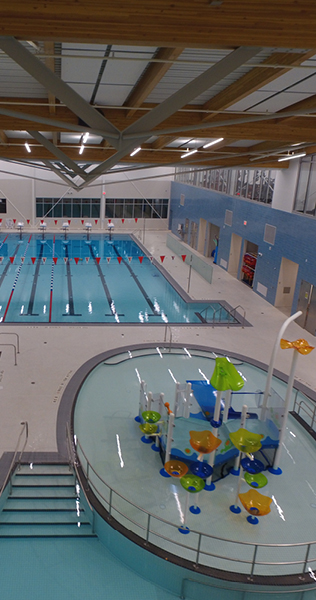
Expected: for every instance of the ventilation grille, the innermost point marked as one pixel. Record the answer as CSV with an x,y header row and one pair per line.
x,y
269,234
229,217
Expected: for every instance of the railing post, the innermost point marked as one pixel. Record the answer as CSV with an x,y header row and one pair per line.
x,y
306,557
198,550
148,529
254,560
110,502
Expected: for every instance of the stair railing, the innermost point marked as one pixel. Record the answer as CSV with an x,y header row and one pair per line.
x,y
73,464
16,462
233,310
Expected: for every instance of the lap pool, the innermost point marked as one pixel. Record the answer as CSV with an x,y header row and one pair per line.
x,y
124,473
70,279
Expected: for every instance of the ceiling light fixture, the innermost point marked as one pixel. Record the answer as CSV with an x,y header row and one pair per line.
x,y
291,156
85,137
27,147
81,149
188,153
212,143
135,151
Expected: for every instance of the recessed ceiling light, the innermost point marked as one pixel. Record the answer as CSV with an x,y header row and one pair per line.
x,y
291,156
27,147
188,153
81,149
135,151
212,143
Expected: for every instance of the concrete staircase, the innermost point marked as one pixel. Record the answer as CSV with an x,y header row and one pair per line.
x,y
44,502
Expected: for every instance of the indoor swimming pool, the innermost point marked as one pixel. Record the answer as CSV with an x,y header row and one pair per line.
x,y
65,278
124,472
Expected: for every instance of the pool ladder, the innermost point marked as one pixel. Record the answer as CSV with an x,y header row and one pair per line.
x,y
230,313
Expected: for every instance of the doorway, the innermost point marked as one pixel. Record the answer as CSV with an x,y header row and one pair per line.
x,y
234,254
202,236
212,238
249,263
286,285
193,234
307,304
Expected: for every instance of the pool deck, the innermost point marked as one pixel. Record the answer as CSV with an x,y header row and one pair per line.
x,y
50,355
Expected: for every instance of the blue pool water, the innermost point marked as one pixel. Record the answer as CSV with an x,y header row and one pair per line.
x,y
58,280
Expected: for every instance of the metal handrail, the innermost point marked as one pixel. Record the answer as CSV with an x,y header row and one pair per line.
x,y
74,466
206,310
17,339
9,473
214,313
233,310
15,361
253,562
311,409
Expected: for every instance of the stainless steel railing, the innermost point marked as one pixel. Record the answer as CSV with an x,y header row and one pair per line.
x,y
113,500
16,461
307,406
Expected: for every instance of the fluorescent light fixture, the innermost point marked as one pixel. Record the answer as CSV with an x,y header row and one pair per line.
x,y
213,142
85,137
27,147
188,153
298,144
291,156
135,151
81,149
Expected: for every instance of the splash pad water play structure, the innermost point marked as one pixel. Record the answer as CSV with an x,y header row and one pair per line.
x,y
148,498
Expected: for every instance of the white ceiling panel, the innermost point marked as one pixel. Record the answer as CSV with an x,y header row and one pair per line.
x,y
113,95
288,79
83,89
307,86
76,68
276,103
245,143
250,100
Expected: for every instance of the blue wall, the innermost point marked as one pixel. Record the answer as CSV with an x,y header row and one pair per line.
x,y
295,236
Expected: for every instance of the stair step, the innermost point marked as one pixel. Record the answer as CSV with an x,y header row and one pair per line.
x,y
43,479
45,517
43,492
31,504
50,469
45,530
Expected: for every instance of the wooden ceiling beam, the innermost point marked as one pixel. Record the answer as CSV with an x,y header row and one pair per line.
x,y
151,77
273,23
254,80
3,137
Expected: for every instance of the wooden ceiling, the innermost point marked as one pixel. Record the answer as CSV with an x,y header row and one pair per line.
x,y
283,31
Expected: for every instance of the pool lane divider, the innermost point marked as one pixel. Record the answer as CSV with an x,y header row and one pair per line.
x,y
105,287
139,285
29,312
17,276
54,261
71,312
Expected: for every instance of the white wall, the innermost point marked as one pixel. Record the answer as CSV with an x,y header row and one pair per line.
x,y
285,187
20,185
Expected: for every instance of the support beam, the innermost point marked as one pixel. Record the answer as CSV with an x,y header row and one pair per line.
x,y
66,179
58,153
49,48
167,108
192,90
3,137
254,80
32,65
151,77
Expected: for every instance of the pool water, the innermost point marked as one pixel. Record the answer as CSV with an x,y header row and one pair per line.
x,y
72,279
104,424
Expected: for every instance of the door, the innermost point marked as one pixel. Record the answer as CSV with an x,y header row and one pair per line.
x,y
234,254
202,236
286,285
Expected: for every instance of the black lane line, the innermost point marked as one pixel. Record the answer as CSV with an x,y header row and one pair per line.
x,y
6,268
34,285
71,312
105,287
143,291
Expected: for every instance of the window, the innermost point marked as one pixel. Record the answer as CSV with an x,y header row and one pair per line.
x,y
136,208
68,208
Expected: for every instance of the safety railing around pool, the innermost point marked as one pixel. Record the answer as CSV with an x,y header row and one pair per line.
x,y
17,455
305,407
202,549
